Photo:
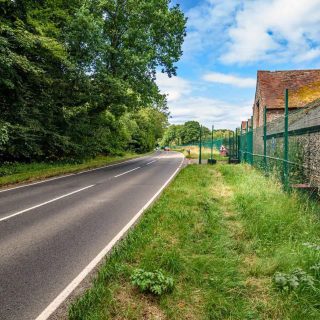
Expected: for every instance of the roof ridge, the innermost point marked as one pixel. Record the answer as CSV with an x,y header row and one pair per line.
x,y
294,70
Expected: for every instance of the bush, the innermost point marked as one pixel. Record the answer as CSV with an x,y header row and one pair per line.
x,y
295,280
153,282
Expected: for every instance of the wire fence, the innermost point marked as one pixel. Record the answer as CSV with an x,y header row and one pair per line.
x,y
287,147
211,150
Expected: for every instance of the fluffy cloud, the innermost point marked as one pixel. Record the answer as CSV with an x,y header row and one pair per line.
x,y
218,77
279,29
206,24
185,105
174,87
210,112
239,31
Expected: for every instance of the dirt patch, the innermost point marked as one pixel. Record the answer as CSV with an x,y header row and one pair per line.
x,y
142,307
236,229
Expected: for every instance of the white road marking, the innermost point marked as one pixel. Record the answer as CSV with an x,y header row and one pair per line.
x,y
151,162
71,174
52,307
44,203
121,174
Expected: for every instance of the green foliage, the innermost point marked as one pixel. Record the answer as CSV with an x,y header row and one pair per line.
x,y
296,280
189,133
4,134
153,282
71,72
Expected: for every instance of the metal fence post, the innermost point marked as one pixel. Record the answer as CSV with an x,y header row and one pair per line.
x,y
286,143
233,145
251,141
247,142
236,145
229,143
265,137
212,142
240,144
200,145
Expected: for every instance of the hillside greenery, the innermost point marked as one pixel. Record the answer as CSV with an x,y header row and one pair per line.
x,y
77,77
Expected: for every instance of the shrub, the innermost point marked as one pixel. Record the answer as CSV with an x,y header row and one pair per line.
x,y
295,280
153,282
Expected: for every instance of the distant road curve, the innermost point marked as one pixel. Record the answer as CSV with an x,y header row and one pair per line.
x,y
53,233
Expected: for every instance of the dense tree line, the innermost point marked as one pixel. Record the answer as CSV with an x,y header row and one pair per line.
x,y
189,132
77,77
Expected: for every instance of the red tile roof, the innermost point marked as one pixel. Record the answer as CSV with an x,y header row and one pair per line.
x,y
303,85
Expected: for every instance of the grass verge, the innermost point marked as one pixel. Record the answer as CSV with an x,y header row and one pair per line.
x,y
222,234
278,245
17,172
184,234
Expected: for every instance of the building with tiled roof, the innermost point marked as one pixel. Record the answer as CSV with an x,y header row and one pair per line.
x,y
303,86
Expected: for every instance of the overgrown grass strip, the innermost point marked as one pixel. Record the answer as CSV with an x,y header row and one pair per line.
x,y
184,234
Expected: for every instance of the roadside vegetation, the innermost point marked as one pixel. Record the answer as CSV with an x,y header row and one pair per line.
x,y
77,77
11,173
222,242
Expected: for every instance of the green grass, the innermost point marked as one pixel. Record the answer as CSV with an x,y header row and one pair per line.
x,y
185,235
221,232
17,172
275,229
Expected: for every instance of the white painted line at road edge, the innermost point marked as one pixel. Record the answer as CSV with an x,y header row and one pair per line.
x,y
53,306
44,203
121,174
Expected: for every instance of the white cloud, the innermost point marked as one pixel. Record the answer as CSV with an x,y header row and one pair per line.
x,y
210,112
230,79
274,30
206,24
174,87
242,31
185,105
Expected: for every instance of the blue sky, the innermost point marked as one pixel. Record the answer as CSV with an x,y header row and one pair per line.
x,y
227,42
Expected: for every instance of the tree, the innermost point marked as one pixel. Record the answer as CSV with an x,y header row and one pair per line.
x,y
71,70
191,132
139,38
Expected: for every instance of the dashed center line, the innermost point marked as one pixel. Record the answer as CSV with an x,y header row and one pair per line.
x,y
121,174
151,162
44,203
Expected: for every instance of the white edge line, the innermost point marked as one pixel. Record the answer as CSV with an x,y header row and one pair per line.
x,y
121,174
44,203
52,307
71,174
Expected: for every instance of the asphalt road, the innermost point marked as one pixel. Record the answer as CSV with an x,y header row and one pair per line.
x,y
50,231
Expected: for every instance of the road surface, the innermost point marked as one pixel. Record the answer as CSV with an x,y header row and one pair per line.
x,y
51,231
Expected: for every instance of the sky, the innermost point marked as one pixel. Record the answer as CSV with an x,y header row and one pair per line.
x,y
227,42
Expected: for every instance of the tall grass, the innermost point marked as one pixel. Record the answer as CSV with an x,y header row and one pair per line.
x,y
223,234
184,235
278,228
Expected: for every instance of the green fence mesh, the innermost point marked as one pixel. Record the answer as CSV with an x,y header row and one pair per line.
x,y
287,147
